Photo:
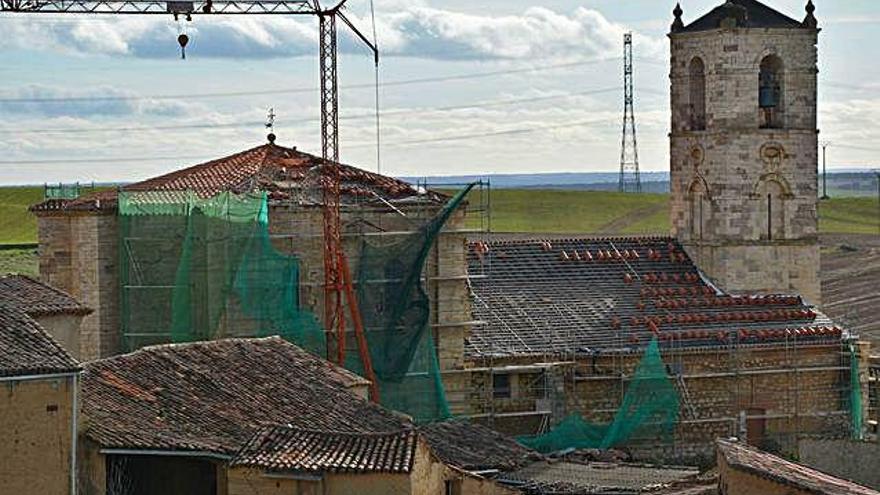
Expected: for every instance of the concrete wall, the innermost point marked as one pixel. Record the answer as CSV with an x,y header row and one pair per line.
x,y
65,329
36,446
848,459
733,481
721,176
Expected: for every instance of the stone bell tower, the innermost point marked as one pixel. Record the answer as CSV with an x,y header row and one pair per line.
x,y
743,147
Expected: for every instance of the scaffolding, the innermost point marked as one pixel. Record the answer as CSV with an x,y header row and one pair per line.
x,y
242,265
737,379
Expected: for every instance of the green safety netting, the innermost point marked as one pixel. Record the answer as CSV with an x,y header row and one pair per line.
x,y
203,268
395,310
649,411
855,399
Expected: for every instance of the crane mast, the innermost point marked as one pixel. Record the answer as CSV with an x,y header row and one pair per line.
x,y
338,285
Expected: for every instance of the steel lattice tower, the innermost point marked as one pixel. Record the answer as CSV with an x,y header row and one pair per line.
x,y
629,151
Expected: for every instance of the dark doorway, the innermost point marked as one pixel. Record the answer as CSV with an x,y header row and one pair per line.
x,y
756,425
160,475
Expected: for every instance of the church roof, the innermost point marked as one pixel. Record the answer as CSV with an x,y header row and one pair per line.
x,y
284,173
585,295
749,14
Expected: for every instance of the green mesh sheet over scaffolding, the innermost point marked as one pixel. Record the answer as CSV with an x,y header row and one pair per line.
x,y
395,310
649,412
855,392
204,268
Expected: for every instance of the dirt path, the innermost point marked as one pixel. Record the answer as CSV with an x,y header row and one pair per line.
x,y
617,226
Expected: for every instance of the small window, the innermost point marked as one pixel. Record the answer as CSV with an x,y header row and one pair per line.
x,y
501,386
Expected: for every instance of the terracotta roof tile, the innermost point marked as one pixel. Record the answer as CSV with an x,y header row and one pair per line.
x,y
27,349
38,299
213,396
285,173
585,295
768,466
286,448
475,447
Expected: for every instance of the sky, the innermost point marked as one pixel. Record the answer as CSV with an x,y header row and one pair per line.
x,y
495,86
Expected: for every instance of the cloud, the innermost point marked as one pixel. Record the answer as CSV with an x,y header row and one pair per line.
x,y
51,101
416,30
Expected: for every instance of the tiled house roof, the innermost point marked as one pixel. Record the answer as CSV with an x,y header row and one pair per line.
x,y
213,396
26,349
594,477
285,173
475,447
580,296
779,470
285,448
38,299
749,14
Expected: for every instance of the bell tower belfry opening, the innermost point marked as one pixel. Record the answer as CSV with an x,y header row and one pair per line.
x,y
744,146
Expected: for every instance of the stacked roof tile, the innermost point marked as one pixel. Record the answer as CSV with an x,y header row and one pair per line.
x,y
26,349
581,296
768,466
286,448
38,299
749,14
475,447
214,396
284,173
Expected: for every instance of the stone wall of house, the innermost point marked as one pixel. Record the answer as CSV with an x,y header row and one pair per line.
x,y
721,175
37,435
429,476
65,328
854,460
79,254
734,481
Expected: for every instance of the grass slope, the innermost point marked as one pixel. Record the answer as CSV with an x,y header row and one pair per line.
x,y
17,225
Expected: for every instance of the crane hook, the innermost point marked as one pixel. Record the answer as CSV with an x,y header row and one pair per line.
x,y
182,40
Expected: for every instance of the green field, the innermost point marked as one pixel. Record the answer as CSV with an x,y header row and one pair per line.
x,y
531,210
17,225
525,210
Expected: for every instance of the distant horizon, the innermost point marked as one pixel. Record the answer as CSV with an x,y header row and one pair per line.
x,y
831,171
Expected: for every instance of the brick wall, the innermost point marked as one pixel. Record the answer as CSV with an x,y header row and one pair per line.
x,y
721,176
37,436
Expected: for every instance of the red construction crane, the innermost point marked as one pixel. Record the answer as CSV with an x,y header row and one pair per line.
x,y
337,277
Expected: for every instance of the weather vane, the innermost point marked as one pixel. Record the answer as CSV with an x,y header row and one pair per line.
x,y
270,124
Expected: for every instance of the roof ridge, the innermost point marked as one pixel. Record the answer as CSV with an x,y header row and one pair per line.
x,y
182,345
